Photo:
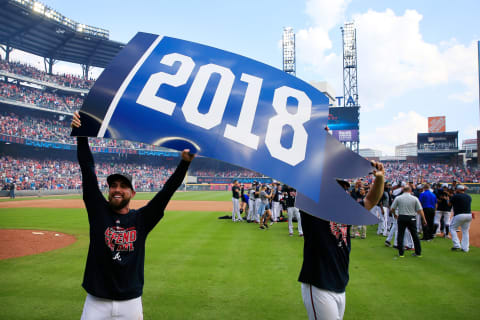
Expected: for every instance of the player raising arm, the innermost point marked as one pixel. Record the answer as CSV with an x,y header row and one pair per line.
x,y
114,272
326,254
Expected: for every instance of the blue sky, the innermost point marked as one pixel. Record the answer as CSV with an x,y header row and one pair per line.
x,y
415,58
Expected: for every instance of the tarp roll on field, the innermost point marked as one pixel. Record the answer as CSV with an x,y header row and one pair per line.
x,y
180,94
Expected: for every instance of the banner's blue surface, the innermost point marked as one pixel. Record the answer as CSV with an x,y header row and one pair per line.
x,y
179,94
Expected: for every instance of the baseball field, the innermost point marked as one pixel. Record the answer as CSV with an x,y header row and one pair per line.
x,y
200,267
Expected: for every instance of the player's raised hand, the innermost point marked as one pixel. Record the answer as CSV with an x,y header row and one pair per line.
x,y
187,156
379,170
76,120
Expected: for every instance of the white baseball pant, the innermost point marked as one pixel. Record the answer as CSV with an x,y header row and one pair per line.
x,y
251,209
463,221
381,224
388,221
276,207
323,304
407,238
103,309
438,217
258,203
294,211
236,210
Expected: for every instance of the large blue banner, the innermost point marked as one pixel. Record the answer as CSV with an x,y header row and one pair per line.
x,y
179,94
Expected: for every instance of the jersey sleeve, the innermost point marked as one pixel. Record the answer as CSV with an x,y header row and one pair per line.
x,y
91,193
155,209
395,204
418,205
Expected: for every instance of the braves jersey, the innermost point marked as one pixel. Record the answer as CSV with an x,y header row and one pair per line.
x,y
326,253
116,254
289,197
236,192
278,195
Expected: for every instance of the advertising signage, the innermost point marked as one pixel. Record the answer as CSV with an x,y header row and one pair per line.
x,y
346,135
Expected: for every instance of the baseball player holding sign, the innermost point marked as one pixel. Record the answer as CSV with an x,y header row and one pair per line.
x,y
326,254
113,275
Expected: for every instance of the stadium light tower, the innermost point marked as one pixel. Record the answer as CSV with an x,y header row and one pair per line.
x,y
350,84
288,42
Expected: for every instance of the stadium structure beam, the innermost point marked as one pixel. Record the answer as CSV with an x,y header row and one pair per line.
x,y
49,62
85,70
62,44
20,32
7,50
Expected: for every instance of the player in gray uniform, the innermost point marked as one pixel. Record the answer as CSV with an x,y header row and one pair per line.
x,y
258,203
251,202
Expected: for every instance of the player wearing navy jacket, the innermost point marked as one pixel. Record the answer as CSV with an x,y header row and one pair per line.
x,y
114,272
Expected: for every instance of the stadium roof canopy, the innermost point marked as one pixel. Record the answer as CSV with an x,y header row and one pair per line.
x,y
32,27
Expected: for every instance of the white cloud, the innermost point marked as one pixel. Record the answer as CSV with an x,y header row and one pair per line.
x,y
314,46
393,57
402,129
326,14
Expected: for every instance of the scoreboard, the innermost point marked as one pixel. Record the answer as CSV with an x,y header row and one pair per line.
x,y
442,142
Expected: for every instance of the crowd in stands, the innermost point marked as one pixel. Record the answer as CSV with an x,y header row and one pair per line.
x,y
31,174
433,172
56,131
66,80
40,98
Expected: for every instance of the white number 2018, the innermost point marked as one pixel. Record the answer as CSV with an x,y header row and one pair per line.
x,y
242,132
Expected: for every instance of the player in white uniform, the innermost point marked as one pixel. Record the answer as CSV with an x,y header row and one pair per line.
x,y
276,206
251,202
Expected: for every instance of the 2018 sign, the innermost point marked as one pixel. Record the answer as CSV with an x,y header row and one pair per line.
x,y
242,131
179,94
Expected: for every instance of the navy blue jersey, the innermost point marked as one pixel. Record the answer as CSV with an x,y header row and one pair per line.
x,y
116,254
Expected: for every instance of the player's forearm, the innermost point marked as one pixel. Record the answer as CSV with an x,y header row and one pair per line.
x,y
375,193
84,155
87,166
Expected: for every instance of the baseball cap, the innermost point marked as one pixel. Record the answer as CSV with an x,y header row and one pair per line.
x,y
444,185
120,176
460,187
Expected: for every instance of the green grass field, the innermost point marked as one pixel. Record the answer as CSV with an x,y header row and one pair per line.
x,y
200,267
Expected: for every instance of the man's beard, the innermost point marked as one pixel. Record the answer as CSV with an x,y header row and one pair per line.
x,y
120,205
